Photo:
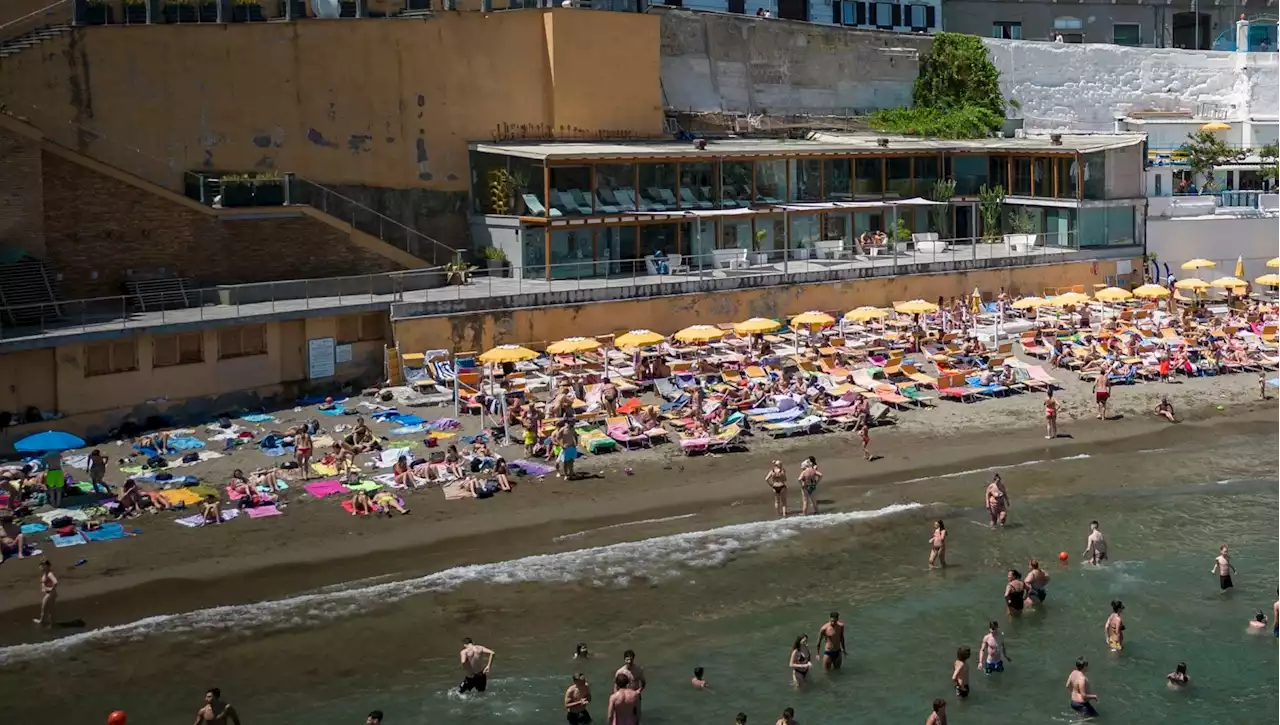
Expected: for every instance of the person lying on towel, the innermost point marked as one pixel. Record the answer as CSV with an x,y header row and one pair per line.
x,y
388,502
361,504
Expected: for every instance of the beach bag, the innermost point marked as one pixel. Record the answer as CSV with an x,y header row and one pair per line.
x,y
192,457
164,476
156,462
62,522
289,465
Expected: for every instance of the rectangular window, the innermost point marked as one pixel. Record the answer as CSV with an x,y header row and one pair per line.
x,y
363,328
1006,30
1126,34
738,6
884,15
1159,184
183,349
107,358
242,341
916,17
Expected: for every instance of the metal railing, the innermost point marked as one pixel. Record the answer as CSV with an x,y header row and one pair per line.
x,y
51,14
137,162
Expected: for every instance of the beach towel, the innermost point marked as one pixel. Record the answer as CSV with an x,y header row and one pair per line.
x,y
74,514
532,468
260,418
262,512
408,419
346,506
196,520
178,496
184,443
79,461
321,489
150,477
455,490
409,430
325,469
107,532
34,528
364,484
388,458
317,400
75,539
382,415
201,458
337,409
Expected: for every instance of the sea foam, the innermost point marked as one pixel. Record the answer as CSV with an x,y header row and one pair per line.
x,y
653,559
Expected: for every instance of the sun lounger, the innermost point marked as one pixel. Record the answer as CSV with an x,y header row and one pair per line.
x,y
619,429
596,441
980,389
780,416
802,426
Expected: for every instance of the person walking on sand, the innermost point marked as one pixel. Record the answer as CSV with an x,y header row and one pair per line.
x,y
216,711
960,672
475,677
302,447
864,435
48,593
567,439
576,700
997,501
939,714
938,545
1101,393
624,704
1223,568
1114,628
1050,415
1037,579
809,478
1095,547
777,480
992,653
831,642
1078,684
98,471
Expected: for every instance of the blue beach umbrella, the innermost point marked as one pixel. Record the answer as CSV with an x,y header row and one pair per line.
x,y
48,442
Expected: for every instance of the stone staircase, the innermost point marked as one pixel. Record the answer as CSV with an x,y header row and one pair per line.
x,y
26,293
31,39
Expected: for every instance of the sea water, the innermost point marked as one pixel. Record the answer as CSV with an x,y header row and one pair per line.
x,y
733,599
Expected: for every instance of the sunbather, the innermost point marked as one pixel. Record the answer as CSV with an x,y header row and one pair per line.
x,y
501,473
1165,410
130,499
302,447
211,510
453,461
362,438
609,398
388,502
404,477
159,441
12,542
361,504
343,456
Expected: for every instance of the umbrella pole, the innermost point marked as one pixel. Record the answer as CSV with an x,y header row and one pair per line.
x,y
456,403
506,421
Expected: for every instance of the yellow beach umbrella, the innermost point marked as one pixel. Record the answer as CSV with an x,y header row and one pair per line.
x,y
699,333
1151,291
570,345
507,354
1113,294
916,307
1069,299
1239,267
1199,264
1268,280
813,318
1192,283
863,314
1030,303
756,326
638,338
1216,126
1229,283
1274,262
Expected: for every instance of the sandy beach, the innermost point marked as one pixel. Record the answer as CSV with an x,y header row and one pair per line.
x,y
168,568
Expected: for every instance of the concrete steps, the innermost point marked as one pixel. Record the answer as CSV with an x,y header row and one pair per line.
x,y
31,39
26,293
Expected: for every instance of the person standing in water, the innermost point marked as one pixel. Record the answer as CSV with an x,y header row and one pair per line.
x,y
624,704
475,677
800,661
1223,568
809,478
215,711
777,480
576,700
1095,547
633,672
1078,683
939,714
1037,579
1114,628
1015,592
1050,416
992,653
938,545
48,593
831,642
997,501
960,672
788,717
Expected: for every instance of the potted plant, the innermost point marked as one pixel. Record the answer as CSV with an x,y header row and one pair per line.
x,y
496,260
135,12
800,250
758,257
1023,224
458,272
179,11
236,191
244,11
268,188
990,207
97,12
901,235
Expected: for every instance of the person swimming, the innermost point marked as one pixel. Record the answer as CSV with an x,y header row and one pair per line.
x,y
1258,624
1178,678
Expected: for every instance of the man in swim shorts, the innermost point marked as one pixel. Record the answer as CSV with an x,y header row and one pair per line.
x,y
633,672
476,677
1102,393
1095,547
1078,683
960,672
567,439
55,479
215,710
1223,568
992,653
576,700
831,642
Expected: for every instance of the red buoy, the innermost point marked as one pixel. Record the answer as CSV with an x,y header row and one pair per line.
x,y
1062,556
117,718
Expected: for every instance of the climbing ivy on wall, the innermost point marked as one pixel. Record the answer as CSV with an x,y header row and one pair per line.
x,y
956,94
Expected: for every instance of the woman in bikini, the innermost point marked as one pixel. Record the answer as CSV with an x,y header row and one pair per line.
x,y
502,473
403,476
1114,628
777,480
361,504
1050,416
938,545
810,476
302,447
800,661
48,594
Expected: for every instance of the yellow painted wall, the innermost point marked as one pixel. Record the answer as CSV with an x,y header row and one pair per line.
x,y
388,103
536,326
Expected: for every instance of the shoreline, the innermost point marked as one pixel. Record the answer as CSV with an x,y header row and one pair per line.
x,y
165,571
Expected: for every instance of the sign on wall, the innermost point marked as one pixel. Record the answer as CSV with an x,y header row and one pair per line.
x,y
343,354
321,356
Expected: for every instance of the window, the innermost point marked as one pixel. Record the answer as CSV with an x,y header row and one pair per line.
x,y
916,17
1006,30
1159,184
184,349
1071,29
738,6
106,358
242,341
1126,34
360,328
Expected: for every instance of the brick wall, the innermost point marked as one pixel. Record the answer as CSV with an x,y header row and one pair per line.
x,y
21,202
96,223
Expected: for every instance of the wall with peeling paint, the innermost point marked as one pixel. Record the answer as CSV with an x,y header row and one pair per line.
x,y
388,103
482,330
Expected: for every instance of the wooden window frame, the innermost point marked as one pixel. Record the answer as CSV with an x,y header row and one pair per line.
x,y
239,334
177,340
113,350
